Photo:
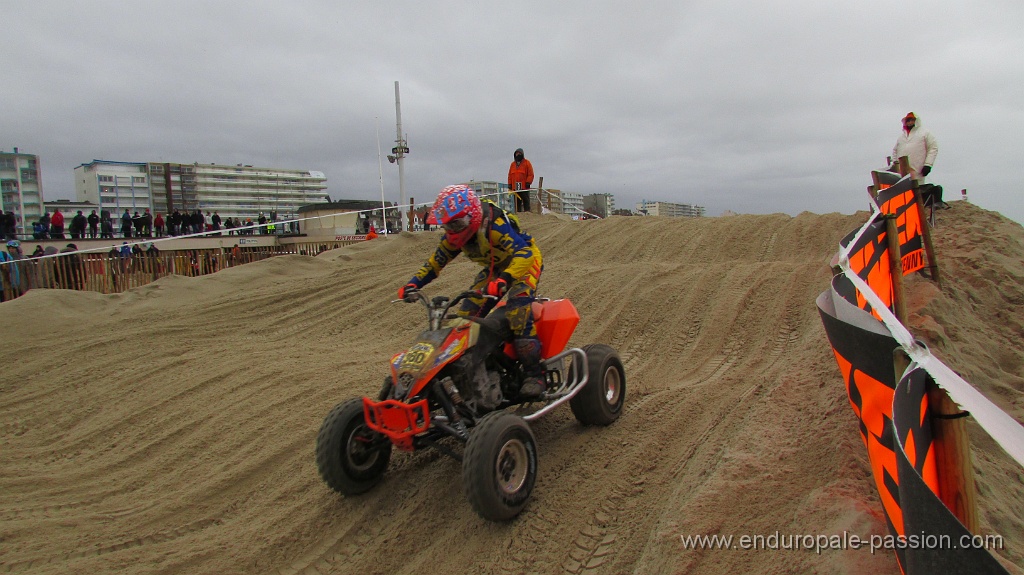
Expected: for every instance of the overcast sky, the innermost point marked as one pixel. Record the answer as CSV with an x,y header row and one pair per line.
x,y
754,107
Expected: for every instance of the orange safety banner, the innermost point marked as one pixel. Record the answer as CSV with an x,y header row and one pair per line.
x,y
899,200
915,428
865,363
869,259
936,540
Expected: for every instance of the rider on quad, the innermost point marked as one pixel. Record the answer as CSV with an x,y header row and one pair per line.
x,y
511,264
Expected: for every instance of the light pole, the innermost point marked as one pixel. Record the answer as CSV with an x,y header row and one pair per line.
x,y
399,151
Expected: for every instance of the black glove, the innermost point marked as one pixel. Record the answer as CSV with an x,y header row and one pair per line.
x,y
926,170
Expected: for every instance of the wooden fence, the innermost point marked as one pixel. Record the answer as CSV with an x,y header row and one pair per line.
x,y
107,273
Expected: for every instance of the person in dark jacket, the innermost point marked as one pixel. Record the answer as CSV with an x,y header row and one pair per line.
x,y
94,224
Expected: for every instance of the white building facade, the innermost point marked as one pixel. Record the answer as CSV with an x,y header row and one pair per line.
x,y
239,191
669,209
21,189
572,204
114,187
496,192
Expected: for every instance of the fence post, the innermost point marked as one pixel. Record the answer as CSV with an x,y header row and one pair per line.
x,y
953,464
895,268
926,231
540,186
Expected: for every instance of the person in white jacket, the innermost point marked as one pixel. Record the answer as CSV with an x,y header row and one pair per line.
x,y
919,145
920,148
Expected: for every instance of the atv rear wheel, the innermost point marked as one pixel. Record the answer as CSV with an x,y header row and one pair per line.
x,y
600,401
350,456
499,467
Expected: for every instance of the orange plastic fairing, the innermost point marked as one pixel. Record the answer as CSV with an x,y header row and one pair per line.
x,y
555,321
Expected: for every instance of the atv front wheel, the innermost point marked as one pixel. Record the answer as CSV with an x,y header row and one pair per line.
x,y
350,456
499,466
600,401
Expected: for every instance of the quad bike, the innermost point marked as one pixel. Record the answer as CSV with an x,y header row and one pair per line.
x,y
458,384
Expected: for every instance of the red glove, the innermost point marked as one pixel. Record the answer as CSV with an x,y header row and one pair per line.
x,y
496,287
407,290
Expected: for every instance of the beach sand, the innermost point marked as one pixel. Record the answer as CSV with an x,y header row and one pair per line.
x,y
171,429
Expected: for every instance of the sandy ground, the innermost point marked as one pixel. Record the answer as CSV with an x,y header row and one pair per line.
x,y
171,429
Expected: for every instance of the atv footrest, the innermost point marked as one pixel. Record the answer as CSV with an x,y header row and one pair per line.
x,y
397,420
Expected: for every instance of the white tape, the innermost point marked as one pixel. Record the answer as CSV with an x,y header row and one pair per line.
x,y
1007,431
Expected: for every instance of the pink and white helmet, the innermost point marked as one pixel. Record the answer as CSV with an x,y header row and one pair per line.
x,y
458,211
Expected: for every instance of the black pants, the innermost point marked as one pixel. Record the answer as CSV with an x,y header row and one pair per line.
x,y
931,195
523,200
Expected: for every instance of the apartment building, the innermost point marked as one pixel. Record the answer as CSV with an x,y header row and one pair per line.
x,y
114,187
669,209
239,191
602,205
21,188
496,192
572,204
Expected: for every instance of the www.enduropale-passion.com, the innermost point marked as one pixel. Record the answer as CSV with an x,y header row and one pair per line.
x,y
808,542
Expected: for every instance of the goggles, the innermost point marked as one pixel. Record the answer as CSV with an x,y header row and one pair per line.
x,y
456,225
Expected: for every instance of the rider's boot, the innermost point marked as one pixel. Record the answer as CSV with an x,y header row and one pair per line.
x,y
528,352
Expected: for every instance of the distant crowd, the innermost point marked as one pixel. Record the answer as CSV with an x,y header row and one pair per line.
x,y
141,225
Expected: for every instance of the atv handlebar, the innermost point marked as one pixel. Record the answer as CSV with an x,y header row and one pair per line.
x,y
438,306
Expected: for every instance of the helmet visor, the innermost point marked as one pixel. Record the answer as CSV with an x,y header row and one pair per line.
x,y
456,225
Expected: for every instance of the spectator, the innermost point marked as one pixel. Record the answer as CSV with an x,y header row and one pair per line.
x,y
139,223
126,224
106,228
174,223
94,224
10,225
57,225
920,148
147,224
39,252
158,225
70,268
10,271
78,224
520,178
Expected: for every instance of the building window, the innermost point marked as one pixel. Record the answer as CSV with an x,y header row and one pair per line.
x,y
106,178
7,164
138,180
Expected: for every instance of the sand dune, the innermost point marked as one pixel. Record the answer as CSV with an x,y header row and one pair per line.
x,y
170,429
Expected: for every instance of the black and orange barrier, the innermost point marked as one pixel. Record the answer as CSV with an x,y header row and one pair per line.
x,y
907,407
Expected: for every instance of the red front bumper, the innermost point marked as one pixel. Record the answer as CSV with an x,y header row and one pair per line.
x,y
397,420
